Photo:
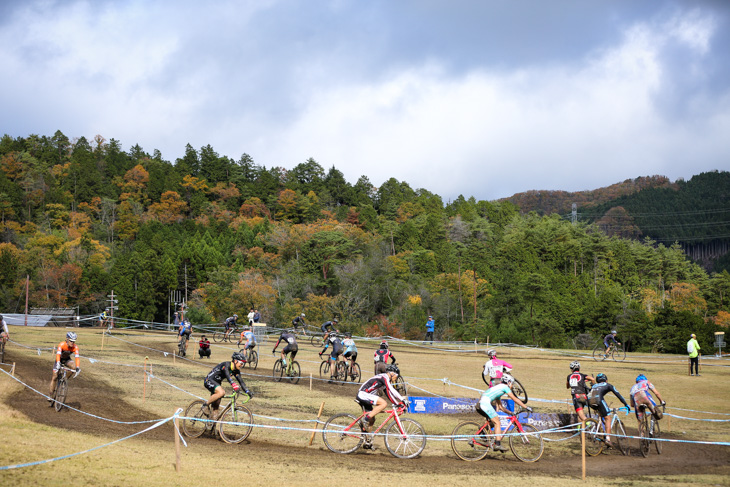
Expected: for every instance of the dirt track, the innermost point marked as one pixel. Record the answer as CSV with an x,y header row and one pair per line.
x,y
677,458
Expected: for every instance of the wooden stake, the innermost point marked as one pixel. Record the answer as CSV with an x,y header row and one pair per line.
x,y
319,414
12,370
144,380
177,444
102,339
310,382
583,447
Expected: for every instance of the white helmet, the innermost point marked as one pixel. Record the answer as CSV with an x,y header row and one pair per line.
x,y
508,379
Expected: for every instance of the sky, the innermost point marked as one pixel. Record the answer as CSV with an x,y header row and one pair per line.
x,y
482,98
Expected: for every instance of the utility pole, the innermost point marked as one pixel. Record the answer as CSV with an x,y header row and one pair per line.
x,y
112,306
574,214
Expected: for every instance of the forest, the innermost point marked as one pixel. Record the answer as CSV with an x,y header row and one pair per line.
x,y
81,218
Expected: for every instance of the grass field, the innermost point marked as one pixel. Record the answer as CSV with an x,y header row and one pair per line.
x,y
115,387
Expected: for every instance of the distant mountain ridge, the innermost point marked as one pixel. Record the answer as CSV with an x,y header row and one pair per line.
x,y
549,201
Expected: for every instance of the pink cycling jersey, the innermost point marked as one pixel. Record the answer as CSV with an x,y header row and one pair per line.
x,y
495,368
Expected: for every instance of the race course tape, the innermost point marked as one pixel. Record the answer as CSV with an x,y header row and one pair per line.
x,y
41,462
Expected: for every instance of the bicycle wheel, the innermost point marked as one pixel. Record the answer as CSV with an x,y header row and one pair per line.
x,y
618,353
324,369
355,373
527,447
235,424
2,351
342,434
295,374
619,435
181,348
61,391
519,391
196,419
594,440
400,386
218,336
407,444
278,371
599,353
656,433
644,442
254,362
471,447
341,372
315,341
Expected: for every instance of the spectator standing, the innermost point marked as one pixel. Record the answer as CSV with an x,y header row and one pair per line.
x,y
693,349
250,316
256,316
430,325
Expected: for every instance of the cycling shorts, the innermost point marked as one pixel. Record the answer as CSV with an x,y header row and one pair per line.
x,y
186,333
602,409
380,367
486,405
293,349
250,346
211,385
65,363
352,355
334,354
580,401
367,400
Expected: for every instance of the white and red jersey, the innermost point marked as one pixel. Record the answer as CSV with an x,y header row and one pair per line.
x,y
381,382
383,355
495,368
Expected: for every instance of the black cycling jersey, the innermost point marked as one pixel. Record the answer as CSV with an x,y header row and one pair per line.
x,y
336,345
381,382
327,326
231,322
596,398
298,322
225,370
609,338
290,339
577,383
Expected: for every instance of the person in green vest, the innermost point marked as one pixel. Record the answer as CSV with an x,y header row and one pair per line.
x,y
693,349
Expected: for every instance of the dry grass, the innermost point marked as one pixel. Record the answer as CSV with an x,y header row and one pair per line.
x,y
151,462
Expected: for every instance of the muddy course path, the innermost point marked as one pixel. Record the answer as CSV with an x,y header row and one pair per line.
x,y
102,399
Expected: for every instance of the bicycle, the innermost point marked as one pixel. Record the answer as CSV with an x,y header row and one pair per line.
x,y
252,357
649,431
182,345
517,388
340,374
291,370
317,341
59,395
404,437
220,336
352,370
595,434
616,352
233,425
472,441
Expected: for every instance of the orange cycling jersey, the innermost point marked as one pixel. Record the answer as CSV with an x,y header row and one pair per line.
x,y
63,352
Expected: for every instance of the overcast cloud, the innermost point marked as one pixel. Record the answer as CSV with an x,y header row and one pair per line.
x,y
480,98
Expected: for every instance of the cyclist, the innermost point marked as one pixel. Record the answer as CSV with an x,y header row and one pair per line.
x,y
248,335
4,333
576,382
368,398
495,368
597,402
228,371
608,339
291,345
102,318
63,357
328,327
492,397
204,347
298,322
185,330
337,350
641,398
381,357
231,325
350,351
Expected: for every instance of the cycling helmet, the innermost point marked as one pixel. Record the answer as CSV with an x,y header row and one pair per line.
x,y
575,365
640,377
290,330
235,316
71,336
348,334
508,379
384,345
238,356
491,353
614,332
302,315
601,378
393,368
335,320
1,317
